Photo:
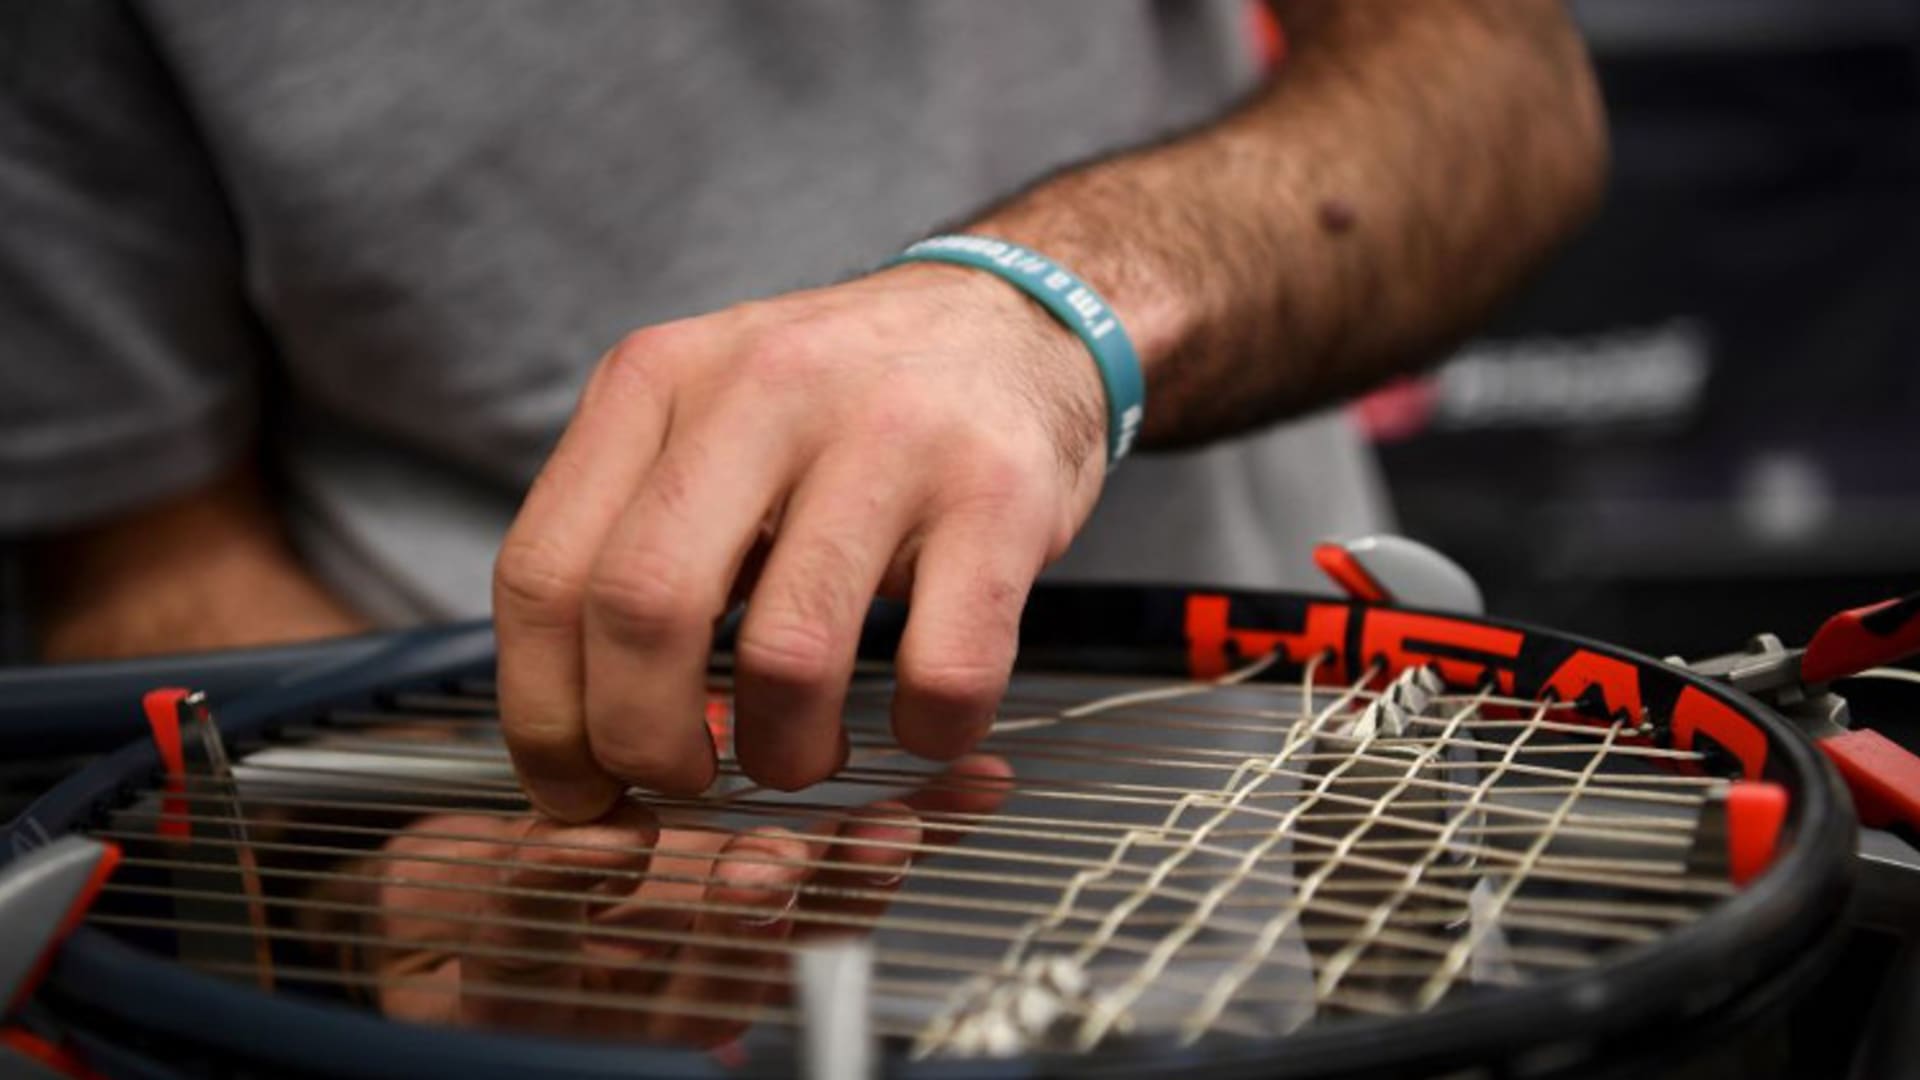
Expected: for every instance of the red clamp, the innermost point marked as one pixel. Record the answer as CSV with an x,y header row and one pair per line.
x,y
43,896
1856,640
1882,775
1387,569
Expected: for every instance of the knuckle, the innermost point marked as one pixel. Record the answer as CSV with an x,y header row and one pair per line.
x,y
1008,506
636,363
958,683
671,484
792,651
645,598
1000,487
817,586
999,598
767,353
649,343
910,417
625,750
541,745
999,467
534,581
780,358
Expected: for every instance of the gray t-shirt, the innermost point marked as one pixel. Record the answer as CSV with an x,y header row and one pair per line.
x,y
391,239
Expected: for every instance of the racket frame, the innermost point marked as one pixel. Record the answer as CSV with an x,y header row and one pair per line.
x,y
1767,938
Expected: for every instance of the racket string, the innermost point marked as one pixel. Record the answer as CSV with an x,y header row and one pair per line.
x,y
1351,866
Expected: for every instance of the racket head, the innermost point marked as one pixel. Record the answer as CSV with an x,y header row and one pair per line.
x,y
1766,934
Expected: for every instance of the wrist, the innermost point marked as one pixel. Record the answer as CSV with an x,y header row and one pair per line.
x,y
1156,310
1045,363
1073,304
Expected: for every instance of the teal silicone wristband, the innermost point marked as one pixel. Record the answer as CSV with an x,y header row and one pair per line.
x,y
1074,303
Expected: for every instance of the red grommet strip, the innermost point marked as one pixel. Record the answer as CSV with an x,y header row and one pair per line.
x,y
162,707
1756,810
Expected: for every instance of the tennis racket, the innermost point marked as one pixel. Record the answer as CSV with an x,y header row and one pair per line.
x,y
1249,833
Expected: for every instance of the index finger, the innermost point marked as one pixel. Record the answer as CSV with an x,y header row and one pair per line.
x,y
541,576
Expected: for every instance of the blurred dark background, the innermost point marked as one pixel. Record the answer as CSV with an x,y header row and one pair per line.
x,y
1704,419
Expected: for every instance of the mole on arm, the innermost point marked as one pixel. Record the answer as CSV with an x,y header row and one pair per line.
x,y
1337,216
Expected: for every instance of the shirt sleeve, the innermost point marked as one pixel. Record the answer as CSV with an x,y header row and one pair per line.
x,y
128,354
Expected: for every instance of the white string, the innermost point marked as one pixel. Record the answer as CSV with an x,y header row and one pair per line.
x,y
1372,809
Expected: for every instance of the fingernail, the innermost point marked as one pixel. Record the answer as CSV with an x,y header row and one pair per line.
x,y
761,922
888,881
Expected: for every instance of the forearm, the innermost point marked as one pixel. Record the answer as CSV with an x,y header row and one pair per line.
x,y
1406,167
211,569
926,431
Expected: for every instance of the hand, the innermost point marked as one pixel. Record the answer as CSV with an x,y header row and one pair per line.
x,y
925,432
625,928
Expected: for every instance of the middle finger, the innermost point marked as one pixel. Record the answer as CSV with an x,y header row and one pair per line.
x,y
657,588
802,628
